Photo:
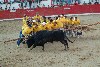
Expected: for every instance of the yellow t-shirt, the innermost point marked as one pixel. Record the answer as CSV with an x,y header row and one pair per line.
x,y
66,21
60,24
24,20
27,31
43,27
37,17
77,22
70,22
55,26
42,20
24,26
37,23
54,21
47,20
37,29
63,20
49,26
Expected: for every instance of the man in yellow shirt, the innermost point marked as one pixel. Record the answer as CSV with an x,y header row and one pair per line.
x,y
66,20
37,28
28,29
24,19
44,19
76,21
49,25
55,26
37,16
60,24
71,21
62,18
43,26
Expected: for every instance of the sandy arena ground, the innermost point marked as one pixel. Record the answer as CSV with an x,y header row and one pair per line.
x,y
84,52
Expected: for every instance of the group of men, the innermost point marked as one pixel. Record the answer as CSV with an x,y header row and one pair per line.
x,y
31,25
38,23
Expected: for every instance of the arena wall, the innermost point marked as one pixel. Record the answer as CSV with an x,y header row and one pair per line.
x,y
73,9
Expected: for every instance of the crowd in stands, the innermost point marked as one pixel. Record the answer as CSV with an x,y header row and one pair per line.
x,y
38,23
90,3
25,3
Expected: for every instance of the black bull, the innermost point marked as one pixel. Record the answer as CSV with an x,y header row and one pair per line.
x,y
42,37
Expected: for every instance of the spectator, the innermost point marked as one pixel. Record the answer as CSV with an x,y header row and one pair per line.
x,y
9,8
96,2
61,4
89,3
52,6
30,3
75,3
33,7
22,3
48,6
25,1
37,6
13,8
33,1
57,4
6,8
84,3
43,5
25,7
1,9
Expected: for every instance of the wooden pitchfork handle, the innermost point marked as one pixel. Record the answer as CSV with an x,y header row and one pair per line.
x,y
14,39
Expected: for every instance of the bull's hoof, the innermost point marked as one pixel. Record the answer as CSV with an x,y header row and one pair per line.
x,y
18,46
43,49
29,50
65,49
23,42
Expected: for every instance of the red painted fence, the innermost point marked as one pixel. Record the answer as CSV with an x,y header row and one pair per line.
x,y
74,9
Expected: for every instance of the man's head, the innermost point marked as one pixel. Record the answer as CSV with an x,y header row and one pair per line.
x,y
29,24
44,17
61,16
0,7
55,23
36,26
75,18
51,20
65,16
71,18
24,15
38,20
56,18
34,21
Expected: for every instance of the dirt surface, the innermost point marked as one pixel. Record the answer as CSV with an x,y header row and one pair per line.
x,y
84,52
